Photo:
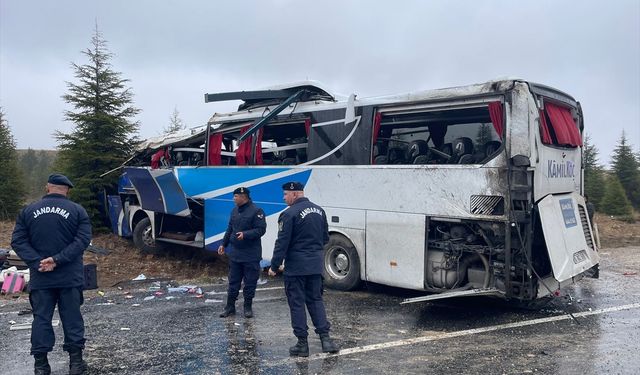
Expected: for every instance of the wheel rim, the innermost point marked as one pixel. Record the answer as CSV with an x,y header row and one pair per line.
x,y
337,262
147,238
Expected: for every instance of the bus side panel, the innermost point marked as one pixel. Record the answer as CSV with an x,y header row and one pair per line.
x,y
567,235
396,249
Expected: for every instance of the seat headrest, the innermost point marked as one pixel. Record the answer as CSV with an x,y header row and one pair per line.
x,y
417,148
463,146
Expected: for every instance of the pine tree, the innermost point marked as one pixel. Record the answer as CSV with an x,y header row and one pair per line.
x,y
175,122
28,162
104,134
12,189
615,200
594,182
484,134
627,168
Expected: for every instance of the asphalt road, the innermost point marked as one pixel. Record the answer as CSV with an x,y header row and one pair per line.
x,y
184,335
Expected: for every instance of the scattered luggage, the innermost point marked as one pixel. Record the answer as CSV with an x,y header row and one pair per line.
x,y
13,283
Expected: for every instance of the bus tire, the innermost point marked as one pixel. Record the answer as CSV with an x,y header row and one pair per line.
x,y
341,264
143,237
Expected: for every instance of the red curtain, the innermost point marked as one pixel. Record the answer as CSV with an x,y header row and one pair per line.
x,y
497,117
544,130
259,148
215,149
377,120
567,132
243,153
160,158
307,126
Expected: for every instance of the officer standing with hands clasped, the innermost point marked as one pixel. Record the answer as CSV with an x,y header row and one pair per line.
x,y
302,234
50,236
246,225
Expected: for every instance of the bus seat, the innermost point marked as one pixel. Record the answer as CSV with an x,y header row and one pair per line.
x,y
447,148
491,147
417,148
421,159
289,161
466,159
380,160
196,159
396,155
463,146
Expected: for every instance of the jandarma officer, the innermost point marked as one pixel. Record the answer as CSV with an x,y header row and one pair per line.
x,y
302,233
246,225
50,236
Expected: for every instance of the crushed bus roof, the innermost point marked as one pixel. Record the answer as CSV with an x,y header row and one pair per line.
x,y
486,88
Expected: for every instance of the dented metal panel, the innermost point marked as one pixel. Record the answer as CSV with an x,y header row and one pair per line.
x,y
565,235
396,249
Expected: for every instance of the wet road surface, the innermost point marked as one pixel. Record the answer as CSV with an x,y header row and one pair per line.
x,y
184,335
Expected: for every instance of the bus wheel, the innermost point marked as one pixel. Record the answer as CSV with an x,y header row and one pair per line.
x,y
143,237
341,264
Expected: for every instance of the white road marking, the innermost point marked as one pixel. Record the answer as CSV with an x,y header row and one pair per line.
x,y
447,335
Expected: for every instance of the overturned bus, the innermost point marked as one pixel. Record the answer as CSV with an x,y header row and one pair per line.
x,y
458,191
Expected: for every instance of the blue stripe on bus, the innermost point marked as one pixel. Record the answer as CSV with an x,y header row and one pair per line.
x,y
195,181
267,195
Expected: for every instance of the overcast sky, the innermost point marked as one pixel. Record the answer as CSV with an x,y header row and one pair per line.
x,y
175,51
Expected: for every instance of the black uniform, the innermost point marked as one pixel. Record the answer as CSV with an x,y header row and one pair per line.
x,y
59,228
245,254
302,234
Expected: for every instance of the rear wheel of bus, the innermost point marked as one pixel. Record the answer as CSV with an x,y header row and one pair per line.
x,y
341,264
143,238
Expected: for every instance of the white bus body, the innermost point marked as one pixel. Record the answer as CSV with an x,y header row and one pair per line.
x,y
465,190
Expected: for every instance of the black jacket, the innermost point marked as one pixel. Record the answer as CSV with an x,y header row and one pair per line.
x,y
248,219
302,234
53,227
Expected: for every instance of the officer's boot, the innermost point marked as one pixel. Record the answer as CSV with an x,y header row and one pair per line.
x,y
77,365
41,365
328,346
230,309
300,349
248,311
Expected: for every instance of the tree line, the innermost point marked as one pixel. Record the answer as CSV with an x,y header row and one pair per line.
x,y
105,135
615,191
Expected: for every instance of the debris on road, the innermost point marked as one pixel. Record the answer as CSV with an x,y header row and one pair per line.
x,y
27,325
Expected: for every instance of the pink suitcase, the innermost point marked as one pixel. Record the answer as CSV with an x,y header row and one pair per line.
x,y
13,283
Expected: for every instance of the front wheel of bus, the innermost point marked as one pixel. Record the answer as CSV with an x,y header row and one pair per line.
x,y
143,237
341,264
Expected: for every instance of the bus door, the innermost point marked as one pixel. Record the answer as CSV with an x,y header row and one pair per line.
x,y
395,249
158,190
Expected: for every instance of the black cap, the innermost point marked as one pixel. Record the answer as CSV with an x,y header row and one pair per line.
x,y
59,179
293,186
241,190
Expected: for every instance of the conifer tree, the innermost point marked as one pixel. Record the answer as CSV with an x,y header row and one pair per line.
x,y
594,182
104,133
12,190
615,201
175,122
627,168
